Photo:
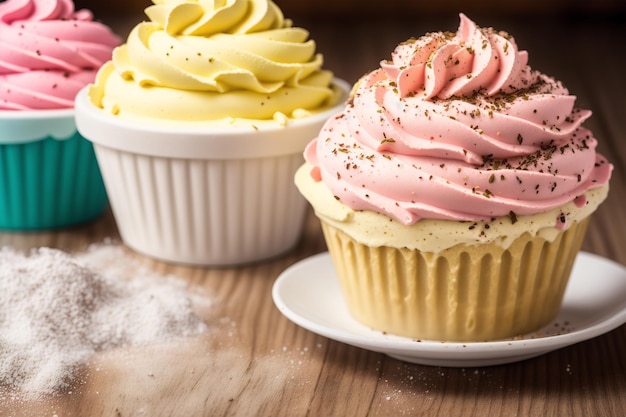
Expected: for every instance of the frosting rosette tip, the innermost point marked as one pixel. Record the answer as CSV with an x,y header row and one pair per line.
x,y
458,126
474,60
197,61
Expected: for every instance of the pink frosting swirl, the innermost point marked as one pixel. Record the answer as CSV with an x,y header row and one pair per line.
x,y
49,53
458,127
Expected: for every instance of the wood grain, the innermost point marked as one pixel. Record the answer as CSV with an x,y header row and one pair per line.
x,y
255,362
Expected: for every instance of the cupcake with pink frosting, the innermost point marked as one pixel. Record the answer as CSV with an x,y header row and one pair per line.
x,y
455,189
50,177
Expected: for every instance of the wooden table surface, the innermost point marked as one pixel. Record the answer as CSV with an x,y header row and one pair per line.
x,y
254,361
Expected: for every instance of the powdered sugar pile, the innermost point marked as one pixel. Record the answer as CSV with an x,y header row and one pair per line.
x,y
57,310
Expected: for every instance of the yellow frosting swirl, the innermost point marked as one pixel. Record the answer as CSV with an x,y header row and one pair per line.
x,y
200,60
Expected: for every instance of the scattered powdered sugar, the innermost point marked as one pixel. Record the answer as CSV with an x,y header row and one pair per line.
x,y
57,310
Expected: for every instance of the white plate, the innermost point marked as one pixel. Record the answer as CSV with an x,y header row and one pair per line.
x,y
309,294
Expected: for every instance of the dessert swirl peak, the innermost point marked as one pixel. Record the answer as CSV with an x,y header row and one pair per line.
x,y
219,61
206,18
458,127
474,60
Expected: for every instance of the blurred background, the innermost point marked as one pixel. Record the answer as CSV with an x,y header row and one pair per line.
x,y
376,7
354,35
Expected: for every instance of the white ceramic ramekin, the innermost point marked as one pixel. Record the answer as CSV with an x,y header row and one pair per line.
x,y
200,196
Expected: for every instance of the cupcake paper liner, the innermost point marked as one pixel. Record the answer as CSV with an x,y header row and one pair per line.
x,y
465,293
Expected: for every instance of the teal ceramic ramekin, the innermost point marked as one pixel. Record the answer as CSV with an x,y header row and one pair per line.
x,y
49,176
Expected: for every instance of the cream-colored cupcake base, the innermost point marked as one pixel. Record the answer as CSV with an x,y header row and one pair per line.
x,y
465,293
